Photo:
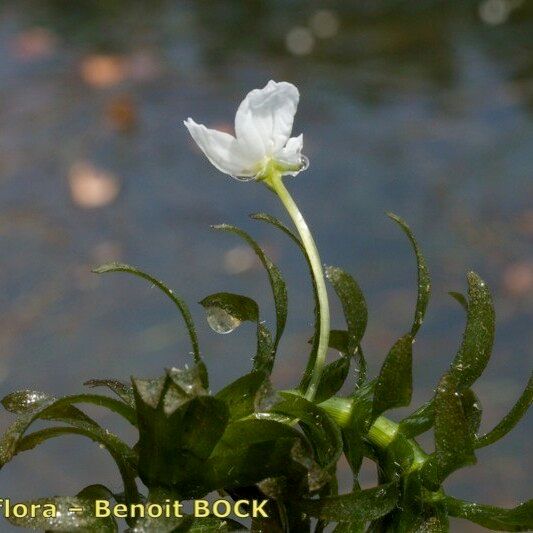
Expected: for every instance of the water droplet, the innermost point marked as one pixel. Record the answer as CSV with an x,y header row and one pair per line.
x,y
221,321
244,178
304,160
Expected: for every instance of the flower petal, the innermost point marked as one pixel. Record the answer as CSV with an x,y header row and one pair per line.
x,y
290,155
264,120
222,149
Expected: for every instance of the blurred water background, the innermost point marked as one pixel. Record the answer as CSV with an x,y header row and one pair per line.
x,y
421,108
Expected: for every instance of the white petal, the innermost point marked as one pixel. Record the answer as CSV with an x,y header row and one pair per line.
x,y
264,120
222,149
291,154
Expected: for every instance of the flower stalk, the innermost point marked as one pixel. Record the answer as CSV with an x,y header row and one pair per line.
x,y
275,182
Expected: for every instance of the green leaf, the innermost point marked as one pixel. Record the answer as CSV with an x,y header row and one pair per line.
x,y
56,409
423,283
279,289
179,426
454,441
96,492
353,305
332,379
245,395
226,311
64,519
460,298
418,422
179,302
338,340
123,391
510,420
355,312
519,518
14,441
363,505
25,401
424,417
316,336
350,527
211,524
322,432
476,347
254,449
472,409
394,386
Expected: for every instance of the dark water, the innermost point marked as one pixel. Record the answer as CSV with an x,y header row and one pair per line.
x,y
425,111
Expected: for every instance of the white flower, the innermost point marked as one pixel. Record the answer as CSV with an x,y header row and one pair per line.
x,y
262,142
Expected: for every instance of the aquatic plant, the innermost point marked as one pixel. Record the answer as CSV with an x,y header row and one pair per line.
x,y
252,443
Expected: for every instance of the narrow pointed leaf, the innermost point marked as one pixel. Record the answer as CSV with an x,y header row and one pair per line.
x,y
454,441
418,422
323,433
226,311
123,391
353,304
460,298
179,425
64,519
510,420
14,442
472,409
520,518
338,340
244,395
394,386
279,289
333,377
363,505
25,401
179,302
476,347
355,313
254,449
423,283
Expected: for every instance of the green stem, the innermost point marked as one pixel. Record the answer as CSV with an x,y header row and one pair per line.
x,y
381,433
274,181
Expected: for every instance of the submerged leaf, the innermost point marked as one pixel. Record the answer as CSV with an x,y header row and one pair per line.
x,y
25,401
332,379
454,441
472,409
394,386
123,391
418,422
180,304
355,313
519,518
279,290
510,420
226,311
14,441
353,304
460,298
323,433
363,505
253,449
476,347
243,395
423,283
179,426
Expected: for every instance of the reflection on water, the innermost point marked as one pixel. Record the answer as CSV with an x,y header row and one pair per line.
x,y
424,110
